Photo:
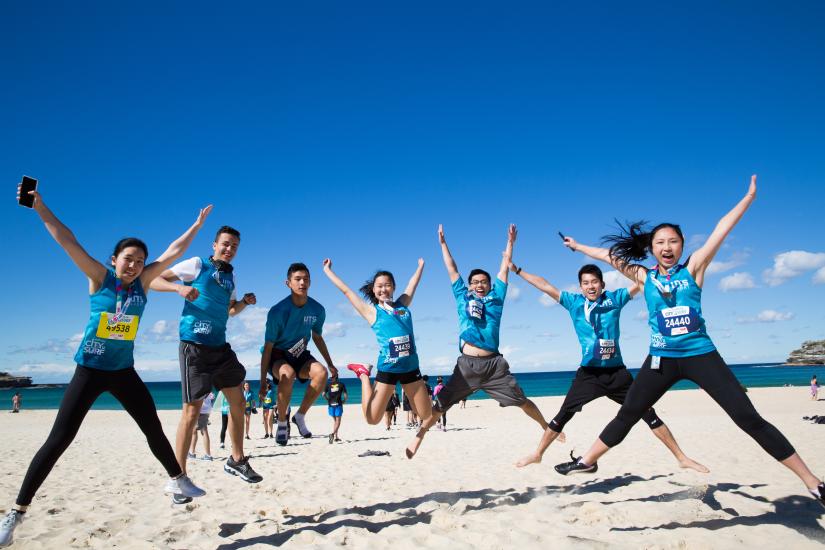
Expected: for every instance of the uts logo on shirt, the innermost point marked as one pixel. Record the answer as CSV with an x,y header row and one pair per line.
x,y
310,319
138,300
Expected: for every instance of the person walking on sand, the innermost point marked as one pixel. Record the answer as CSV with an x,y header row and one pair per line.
x,y
480,365
16,402
680,347
203,428
105,357
336,396
814,388
207,361
595,313
268,406
391,321
290,325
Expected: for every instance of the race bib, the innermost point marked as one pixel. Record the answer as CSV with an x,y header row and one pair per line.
x,y
299,348
675,321
400,346
606,349
124,329
475,309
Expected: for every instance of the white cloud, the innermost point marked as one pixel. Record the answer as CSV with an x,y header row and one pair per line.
x,y
737,281
792,264
44,369
641,315
335,330
614,279
736,259
163,331
245,331
819,276
767,316
513,293
69,345
346,309
546,300
508,350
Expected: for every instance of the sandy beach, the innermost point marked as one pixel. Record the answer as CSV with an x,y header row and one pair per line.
x,y
461,491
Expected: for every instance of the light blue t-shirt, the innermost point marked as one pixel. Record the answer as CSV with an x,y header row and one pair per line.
x,y
289,328
396,341
109,341
597,325
204,320
677,328
479,317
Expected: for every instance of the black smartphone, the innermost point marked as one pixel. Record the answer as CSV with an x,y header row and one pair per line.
x,y
28,184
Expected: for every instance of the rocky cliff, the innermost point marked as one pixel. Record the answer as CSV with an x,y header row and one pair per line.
x,y
812,352
9,381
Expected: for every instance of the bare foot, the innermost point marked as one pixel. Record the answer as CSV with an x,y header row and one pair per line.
x,y
693,465
561,438
412,448
534,458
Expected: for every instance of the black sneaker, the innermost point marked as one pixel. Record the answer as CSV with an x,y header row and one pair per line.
x,y
819,493
181,499
241,469
576,466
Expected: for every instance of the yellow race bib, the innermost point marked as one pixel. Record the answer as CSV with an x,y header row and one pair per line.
x,y
125,329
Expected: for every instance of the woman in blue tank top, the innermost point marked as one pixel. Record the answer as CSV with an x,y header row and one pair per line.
x,y
105,360
391,320
680,347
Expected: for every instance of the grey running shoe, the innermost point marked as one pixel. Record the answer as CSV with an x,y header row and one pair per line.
x,y
576,466
282,434
180,499
183,486
241,469
12,520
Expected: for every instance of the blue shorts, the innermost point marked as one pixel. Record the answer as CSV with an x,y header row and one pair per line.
x,y
335,410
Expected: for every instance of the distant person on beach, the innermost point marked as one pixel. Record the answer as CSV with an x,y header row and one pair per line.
x,y
17,402
203,428
390,411
268,406
680,347
436,390
249,409
480,365
223,404
595,313
290,325
814,388
391,321
336,396
206,358
105,357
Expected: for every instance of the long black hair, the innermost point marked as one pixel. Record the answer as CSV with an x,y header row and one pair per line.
x,y
366,289
632,242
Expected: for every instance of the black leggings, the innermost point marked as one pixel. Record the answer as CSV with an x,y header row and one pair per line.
x,y
224,424
86,386
710,373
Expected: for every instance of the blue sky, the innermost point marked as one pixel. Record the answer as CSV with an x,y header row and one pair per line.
x,y
352,130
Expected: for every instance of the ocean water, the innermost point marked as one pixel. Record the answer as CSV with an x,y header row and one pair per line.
x,y
167,395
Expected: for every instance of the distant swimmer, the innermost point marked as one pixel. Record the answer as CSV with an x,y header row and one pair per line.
x,y
481,366
105,357
391,321
680,347
207,361
595,313
290,326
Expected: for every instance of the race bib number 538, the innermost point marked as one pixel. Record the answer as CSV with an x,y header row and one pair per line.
x,y
125,329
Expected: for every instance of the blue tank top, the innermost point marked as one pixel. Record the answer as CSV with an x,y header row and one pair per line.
x,y
396,341
109,339
597,325
204,320
674,307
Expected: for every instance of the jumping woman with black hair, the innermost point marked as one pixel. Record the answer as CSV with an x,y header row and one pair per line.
x,y
391,320
105,359
680,347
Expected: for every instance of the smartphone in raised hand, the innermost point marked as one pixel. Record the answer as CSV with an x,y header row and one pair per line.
x,y
28,184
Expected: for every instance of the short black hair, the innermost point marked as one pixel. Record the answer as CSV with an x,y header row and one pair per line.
x,y
591,269
295,267
230,230
130,241
477,271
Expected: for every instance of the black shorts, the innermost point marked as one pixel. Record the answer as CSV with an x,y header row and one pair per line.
x,y
490,373
203,367
592,383
297,363
394,378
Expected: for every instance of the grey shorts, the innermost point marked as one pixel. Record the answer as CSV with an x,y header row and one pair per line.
x,y
203,367
490,374
203,422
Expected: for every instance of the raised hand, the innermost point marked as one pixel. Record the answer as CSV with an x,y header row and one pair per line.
x,y
327,264
37,200
512,233
752,187
420,262
571,243
204,213
441,234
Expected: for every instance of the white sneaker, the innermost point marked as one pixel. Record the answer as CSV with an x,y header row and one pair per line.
x,y
12,520
183,486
